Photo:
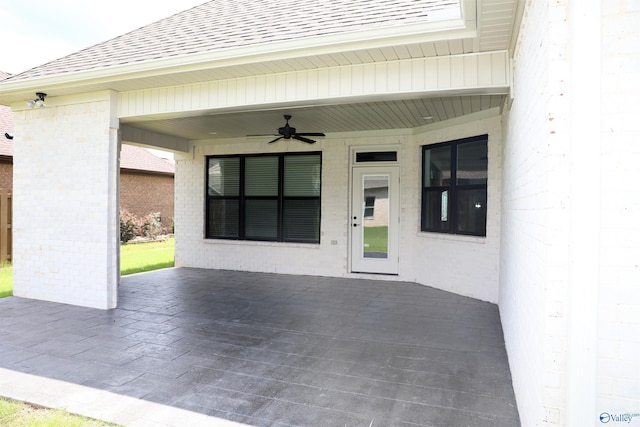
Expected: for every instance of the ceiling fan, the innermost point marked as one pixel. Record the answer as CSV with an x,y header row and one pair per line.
x,y
288,132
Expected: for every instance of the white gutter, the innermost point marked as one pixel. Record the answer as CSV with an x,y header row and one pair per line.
x,y
335,43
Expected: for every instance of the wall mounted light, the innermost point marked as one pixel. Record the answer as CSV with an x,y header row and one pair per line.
x,y
38,102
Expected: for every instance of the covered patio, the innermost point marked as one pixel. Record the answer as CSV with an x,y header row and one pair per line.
x,y
269,349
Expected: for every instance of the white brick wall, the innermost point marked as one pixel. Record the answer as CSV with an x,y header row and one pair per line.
x,y
569,295
324,259
527,207
465,265
619,291
65,204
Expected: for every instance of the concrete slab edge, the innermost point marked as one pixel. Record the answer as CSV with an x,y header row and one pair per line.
x,y
99,404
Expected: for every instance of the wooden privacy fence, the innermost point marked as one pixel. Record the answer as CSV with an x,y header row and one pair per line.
x,y
5,225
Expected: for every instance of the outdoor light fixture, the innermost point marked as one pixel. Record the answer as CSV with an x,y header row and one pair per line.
x,y
38,102
8,135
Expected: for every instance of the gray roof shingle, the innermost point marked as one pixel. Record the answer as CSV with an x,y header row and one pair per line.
x,y
138,158
225,24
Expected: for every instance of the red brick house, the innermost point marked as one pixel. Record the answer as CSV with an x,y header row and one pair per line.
x,y
146,184
146,180
6,145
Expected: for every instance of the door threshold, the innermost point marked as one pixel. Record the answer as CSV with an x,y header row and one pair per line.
x,y
377,274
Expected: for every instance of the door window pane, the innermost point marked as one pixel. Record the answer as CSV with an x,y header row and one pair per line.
x,y
261,176
376,227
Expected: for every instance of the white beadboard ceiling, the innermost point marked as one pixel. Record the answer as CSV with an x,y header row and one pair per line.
x,y
496,22
401,114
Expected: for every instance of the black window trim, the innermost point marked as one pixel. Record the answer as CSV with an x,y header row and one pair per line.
x,y
280,197
453,187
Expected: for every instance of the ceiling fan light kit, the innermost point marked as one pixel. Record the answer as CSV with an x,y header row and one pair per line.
x,y
288,132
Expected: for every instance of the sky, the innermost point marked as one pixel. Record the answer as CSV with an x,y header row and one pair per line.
x,y
34,32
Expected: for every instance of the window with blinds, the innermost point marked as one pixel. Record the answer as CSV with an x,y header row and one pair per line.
x,y
273,197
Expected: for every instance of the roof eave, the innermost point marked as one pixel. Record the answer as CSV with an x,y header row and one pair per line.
x,y
136,171
335,43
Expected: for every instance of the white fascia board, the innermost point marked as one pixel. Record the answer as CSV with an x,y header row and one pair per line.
x,y
60,101
335,43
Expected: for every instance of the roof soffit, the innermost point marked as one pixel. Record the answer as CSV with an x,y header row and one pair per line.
x,y
372,46
485,25
244,59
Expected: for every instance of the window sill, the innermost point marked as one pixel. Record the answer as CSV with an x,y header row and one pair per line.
x,y
453,237
259,243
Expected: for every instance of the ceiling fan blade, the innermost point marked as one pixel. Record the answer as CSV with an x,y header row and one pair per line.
x,y
263,134
311,134
303,139
277,139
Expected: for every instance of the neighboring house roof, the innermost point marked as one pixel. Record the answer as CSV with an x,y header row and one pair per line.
x,y
224,24
141,159
131,157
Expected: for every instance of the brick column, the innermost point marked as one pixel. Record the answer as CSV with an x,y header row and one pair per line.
x,y
66,231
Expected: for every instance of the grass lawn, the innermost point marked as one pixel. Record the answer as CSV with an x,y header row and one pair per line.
x,y
6,280
18,414
139,257
134,258
376,239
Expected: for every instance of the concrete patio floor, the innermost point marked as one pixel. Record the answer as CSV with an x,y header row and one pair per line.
x,y
264,350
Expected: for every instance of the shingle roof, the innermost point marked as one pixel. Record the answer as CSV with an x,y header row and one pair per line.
x,y
132,157
138,158
224,24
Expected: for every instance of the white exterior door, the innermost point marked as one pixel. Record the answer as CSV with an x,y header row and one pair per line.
x,y
375,219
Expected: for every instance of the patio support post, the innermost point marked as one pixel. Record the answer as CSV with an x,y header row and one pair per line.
x,y
66,232
584,267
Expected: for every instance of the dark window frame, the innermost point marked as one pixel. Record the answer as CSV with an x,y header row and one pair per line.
x,y
453,189
242,198
369,207
376,156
